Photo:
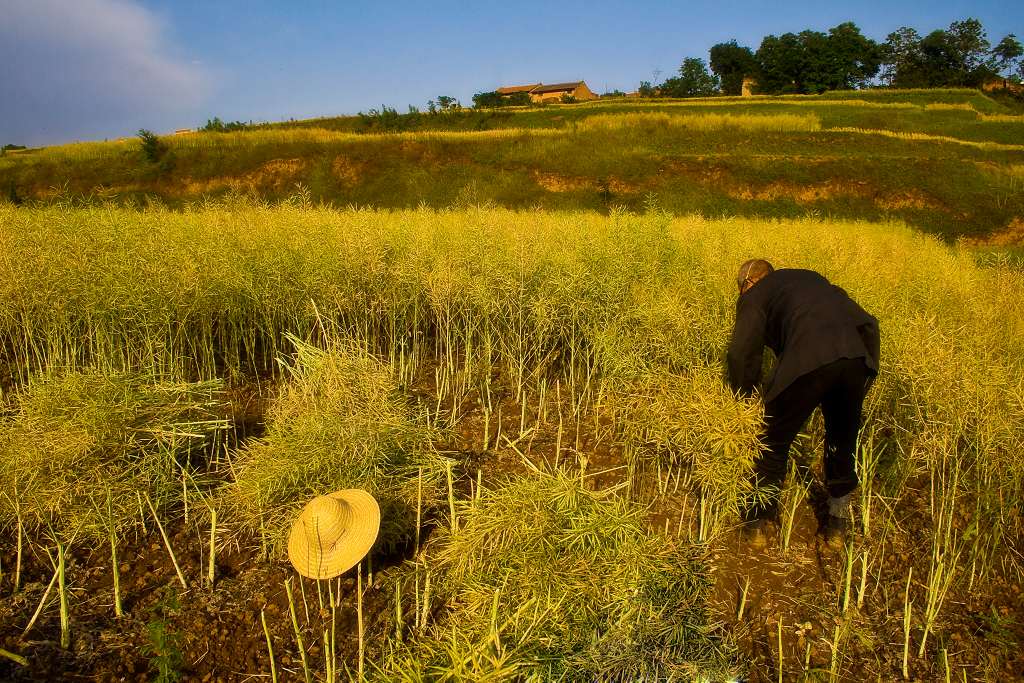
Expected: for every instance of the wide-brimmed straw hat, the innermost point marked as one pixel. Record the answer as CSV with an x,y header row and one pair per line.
x,y
333,533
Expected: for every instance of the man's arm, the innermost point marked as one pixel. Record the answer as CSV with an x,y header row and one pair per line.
x,y
746,348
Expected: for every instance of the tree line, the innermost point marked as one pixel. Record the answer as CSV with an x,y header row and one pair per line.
x,y
812,62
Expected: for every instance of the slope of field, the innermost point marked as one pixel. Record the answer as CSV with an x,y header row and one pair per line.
x,y
543,392
947,162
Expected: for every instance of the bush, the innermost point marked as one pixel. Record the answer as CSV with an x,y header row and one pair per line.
x,y
153,148
12,194
215,125
484,100
387,120
692,423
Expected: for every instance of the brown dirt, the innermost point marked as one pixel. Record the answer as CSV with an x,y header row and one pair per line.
x,y
715,178
801,194
1012,236
554,182
910,199
349,171
274,175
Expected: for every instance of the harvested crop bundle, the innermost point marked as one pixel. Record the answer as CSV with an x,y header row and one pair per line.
x,y
544,579
693,422
79,451
338,422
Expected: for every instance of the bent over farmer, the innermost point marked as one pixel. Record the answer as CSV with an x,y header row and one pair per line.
x,y
827,353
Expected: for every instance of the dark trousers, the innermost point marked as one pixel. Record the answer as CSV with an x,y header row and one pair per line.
x,y
839,389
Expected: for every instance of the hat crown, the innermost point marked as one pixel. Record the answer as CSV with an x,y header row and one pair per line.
x,y
333,533
325,520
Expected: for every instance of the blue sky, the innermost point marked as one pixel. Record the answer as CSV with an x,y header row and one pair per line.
x,y
94,69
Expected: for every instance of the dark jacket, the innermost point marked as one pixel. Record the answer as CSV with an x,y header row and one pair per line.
x,y
807,321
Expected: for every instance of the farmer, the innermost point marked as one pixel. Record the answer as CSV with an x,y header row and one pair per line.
x,y
827,350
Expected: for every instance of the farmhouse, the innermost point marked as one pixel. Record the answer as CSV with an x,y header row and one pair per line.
x,y
1003,84
539,92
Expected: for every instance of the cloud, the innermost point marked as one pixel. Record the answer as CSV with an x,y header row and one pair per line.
x,y
90,68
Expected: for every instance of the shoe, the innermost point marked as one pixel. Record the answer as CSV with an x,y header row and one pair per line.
x,y
755,533
836,531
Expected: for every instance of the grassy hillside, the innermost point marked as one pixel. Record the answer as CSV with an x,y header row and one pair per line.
x,y
946,161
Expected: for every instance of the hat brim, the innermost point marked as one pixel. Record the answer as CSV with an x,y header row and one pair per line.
x,y
326,563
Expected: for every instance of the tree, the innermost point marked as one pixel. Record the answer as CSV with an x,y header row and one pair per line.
x,y
483,100
732,63
215,125
817,72
900,53
813,62
446,103
940,64
1008,51
957,56
854,58
152,146
646,89
694,80
518,99
780,61
971,47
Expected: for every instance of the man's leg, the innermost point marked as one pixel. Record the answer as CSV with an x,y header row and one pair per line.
x,y
785,415
841,408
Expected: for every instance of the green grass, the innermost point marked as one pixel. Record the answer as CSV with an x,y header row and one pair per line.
x,y
846,108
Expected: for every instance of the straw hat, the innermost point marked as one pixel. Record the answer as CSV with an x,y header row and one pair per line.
x,y
333,533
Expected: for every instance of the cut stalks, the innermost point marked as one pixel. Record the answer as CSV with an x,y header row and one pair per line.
x,y
167,543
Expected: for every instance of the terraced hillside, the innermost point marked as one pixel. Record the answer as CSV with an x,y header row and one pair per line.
x,y
949,162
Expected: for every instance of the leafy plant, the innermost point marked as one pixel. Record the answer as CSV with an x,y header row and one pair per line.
x,y
153,148
215,125
164,644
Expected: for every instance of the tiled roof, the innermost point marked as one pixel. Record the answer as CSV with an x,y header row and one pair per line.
x,y
557,87
508,90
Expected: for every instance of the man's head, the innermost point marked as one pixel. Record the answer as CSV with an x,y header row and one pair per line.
x,y
751,273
